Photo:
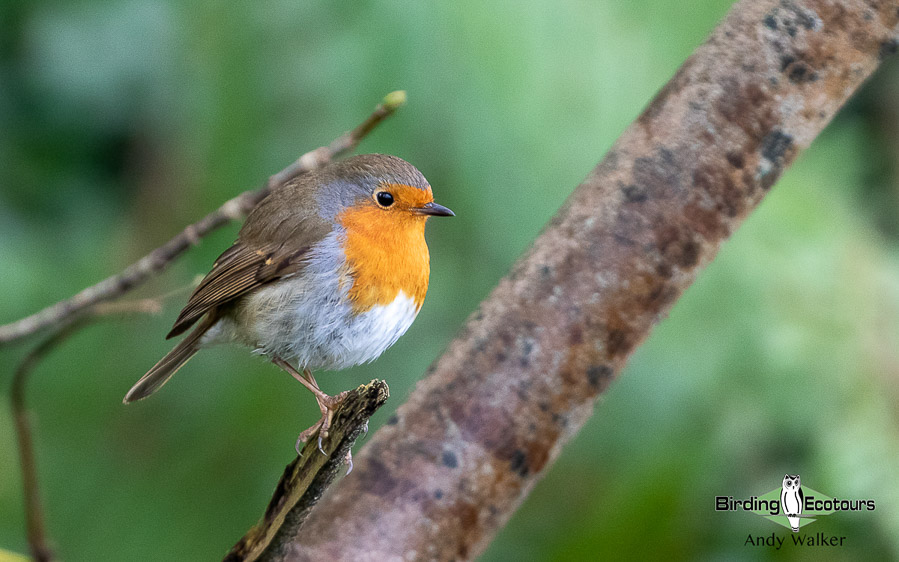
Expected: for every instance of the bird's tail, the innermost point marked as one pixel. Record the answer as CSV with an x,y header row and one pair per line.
x,y
169,365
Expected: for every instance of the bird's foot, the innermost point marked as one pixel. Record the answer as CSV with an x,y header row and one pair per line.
x,y
327,405
305,435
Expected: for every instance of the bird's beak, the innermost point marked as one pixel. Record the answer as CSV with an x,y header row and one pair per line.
x,y
433,209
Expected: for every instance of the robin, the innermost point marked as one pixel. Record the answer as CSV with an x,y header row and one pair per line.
x,y
327,272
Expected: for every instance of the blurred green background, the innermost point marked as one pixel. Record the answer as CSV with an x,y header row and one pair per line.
x,y
122,121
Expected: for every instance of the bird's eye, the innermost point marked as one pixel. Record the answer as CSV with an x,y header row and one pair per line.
x,y
384,199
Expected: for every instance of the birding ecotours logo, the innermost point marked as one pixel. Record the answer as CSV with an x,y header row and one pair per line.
x,y
791,497
793,505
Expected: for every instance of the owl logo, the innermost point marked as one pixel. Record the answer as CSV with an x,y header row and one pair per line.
x,y
791,500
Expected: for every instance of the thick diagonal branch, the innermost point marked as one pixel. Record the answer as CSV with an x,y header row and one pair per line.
x,y
451,467
157,260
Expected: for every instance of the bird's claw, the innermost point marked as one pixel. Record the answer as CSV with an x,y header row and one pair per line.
x,y
348,459
306,434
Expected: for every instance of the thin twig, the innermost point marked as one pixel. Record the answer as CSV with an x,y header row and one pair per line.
x,y
157,260
34,514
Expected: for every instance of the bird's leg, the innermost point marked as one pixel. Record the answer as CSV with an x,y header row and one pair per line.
x,y
327,404
307,374
320,424
325,422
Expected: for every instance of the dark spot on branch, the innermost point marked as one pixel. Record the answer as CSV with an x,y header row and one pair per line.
x,y
610,162
770,22
618,343
393,420
735,159
449,459
125,284
438,494
597,374
519,463
677,245
786,61
800,72
775,145
797,70
634,193
664,270
887,48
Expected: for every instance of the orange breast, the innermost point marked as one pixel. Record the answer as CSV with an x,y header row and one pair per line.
x,y
386,253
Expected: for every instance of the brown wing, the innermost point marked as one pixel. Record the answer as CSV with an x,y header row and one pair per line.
x,y
272,244
238,270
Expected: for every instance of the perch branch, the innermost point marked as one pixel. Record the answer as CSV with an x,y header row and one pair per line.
x,y
450,468
305,478
157,260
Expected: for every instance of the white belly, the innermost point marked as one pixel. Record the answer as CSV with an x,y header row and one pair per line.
x,y
315,330
369,334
